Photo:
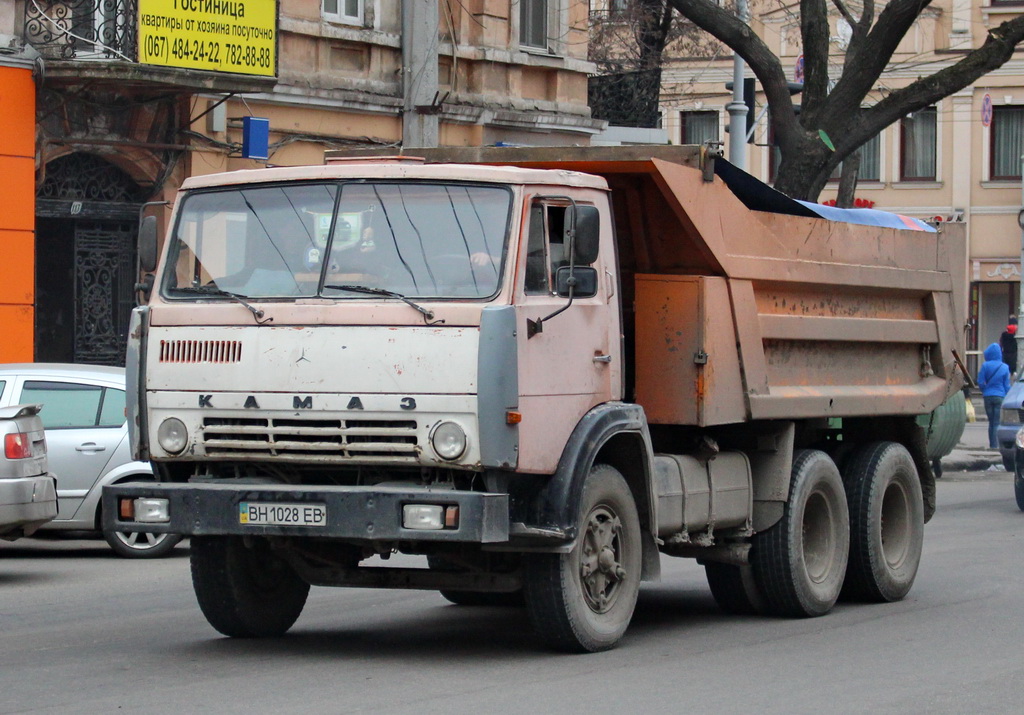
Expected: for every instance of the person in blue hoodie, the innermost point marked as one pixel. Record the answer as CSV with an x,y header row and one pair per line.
x,y
994,381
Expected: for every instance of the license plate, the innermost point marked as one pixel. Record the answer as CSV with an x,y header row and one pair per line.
x,y
267,514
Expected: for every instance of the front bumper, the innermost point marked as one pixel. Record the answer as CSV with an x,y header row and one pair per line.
x,y
26,503
353,513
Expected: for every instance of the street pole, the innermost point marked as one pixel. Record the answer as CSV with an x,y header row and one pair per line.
x,y
1020,308
737,108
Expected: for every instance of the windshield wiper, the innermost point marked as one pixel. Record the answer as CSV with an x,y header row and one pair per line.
x,y
428,315
213,290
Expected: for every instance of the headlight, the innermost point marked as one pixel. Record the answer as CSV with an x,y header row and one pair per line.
x,y
1019,440
172,435
448,440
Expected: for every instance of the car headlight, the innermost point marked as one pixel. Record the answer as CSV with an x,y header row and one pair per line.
x,y
1019,439
172,435
448,440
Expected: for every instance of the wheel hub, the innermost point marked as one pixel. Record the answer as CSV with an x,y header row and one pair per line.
x,y
601,574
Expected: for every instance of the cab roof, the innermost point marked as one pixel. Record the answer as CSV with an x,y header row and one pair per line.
x,y
400,168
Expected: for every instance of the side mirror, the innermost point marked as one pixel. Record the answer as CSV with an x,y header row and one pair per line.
x,y
588,235
147,244
585,285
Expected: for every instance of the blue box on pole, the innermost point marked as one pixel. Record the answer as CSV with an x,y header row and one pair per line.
x,y
255,137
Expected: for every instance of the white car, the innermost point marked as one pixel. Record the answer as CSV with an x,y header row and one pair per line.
x,y
87,444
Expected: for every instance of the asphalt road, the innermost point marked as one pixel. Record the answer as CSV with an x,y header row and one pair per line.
x,y
83,631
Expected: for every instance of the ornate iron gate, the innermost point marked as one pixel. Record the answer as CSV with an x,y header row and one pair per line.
x,y
104,279
97,206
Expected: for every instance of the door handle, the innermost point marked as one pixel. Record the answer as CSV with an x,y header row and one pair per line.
x,y
603,358
90,447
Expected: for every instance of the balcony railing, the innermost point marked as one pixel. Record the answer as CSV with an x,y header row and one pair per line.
x,y
83,29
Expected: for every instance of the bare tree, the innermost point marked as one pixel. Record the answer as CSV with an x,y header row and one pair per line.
x,y
839,111
628,45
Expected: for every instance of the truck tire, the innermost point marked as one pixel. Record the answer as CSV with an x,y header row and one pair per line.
x,y
582,601
799,563
245,591
886,523
734,589
473,598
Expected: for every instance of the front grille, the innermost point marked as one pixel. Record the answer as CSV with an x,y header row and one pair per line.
x,y
331,439
1011,416
200,351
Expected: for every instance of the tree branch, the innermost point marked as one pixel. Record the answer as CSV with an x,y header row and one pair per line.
x,y
996,50
814,32
872,57
725,27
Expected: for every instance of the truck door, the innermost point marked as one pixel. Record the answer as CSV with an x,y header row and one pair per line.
x,y
573,363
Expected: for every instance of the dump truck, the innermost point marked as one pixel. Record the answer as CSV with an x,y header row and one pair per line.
x,y
540,369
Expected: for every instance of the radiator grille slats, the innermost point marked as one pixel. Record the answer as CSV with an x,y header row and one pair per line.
x,y
193,351
335,440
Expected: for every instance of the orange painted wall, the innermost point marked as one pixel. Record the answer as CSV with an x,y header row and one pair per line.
x,y
17,213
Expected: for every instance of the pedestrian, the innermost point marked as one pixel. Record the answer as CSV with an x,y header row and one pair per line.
x,y
1008,342
994,381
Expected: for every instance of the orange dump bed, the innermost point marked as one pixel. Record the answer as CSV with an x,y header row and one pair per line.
x,y
733,314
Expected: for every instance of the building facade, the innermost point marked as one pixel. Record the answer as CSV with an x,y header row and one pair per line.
x,y
131,97
958,160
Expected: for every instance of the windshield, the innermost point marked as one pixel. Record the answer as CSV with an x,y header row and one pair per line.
x,y
305,240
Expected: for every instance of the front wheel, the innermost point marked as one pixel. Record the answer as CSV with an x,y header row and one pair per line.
x,y
886,523
799,563
245,591
583,600
1018,489
141,544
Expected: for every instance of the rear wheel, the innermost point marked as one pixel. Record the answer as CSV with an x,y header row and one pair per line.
x,y
583,600
886,523
734,589
799,562
245,591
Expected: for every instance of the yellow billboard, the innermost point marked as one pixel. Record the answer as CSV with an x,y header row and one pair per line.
x,y
237,36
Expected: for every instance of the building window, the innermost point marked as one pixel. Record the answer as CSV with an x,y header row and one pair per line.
x,y
1007,137
870,163
349,12
533,23
698,127
917,146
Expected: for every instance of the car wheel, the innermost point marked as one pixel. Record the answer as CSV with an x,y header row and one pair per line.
x,y
141,544
1009,460
1018,489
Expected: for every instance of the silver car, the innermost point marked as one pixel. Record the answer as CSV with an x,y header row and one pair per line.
x,y
28,498
87,444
